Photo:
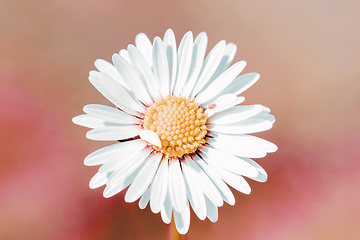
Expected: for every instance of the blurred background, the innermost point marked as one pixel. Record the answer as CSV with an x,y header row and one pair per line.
x,y
307,53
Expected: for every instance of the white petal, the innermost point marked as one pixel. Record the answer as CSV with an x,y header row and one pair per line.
x,y
150,137
86,120
210,64
99,84
236,114
234,180
212,90
222,103
121,184
182,219
99,179
241,83
94,73
159,187
199,50
106,67
246,126
239,140
219,183
266,109
184,62
262,175
132,78
119,164
194,193
264,144
144,71
207,185
110,114
125,165
161,66
177,188
217,158
212,211
170,48
227,58
143,179
144,199
264,115
125,102
227,101
100,156
144,45
125,54
236,146
166,210
113,133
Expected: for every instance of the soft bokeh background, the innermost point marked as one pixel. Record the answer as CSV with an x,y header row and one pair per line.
x,y
307,53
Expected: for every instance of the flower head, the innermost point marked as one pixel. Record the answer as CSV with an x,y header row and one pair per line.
x,y
183,137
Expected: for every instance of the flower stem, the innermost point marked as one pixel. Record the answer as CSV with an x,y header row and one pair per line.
x,y
173,233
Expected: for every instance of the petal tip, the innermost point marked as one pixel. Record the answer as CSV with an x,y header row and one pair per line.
x,y
169,31
106,195
247,191
74,119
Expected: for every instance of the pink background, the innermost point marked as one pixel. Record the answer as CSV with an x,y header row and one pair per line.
x,y
307,53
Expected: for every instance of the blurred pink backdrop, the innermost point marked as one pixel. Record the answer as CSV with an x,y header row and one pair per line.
x,y
307,53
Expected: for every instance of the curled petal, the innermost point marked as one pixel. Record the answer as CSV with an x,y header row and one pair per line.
x,y
150,137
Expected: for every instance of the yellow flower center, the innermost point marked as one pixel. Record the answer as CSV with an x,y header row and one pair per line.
x,y
180,124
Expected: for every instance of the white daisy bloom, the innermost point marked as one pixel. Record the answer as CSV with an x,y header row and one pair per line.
x,y
183,137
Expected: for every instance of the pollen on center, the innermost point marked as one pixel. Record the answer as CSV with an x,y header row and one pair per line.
x,y
180,124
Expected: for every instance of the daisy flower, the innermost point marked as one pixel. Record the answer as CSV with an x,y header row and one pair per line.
x,y
182,133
